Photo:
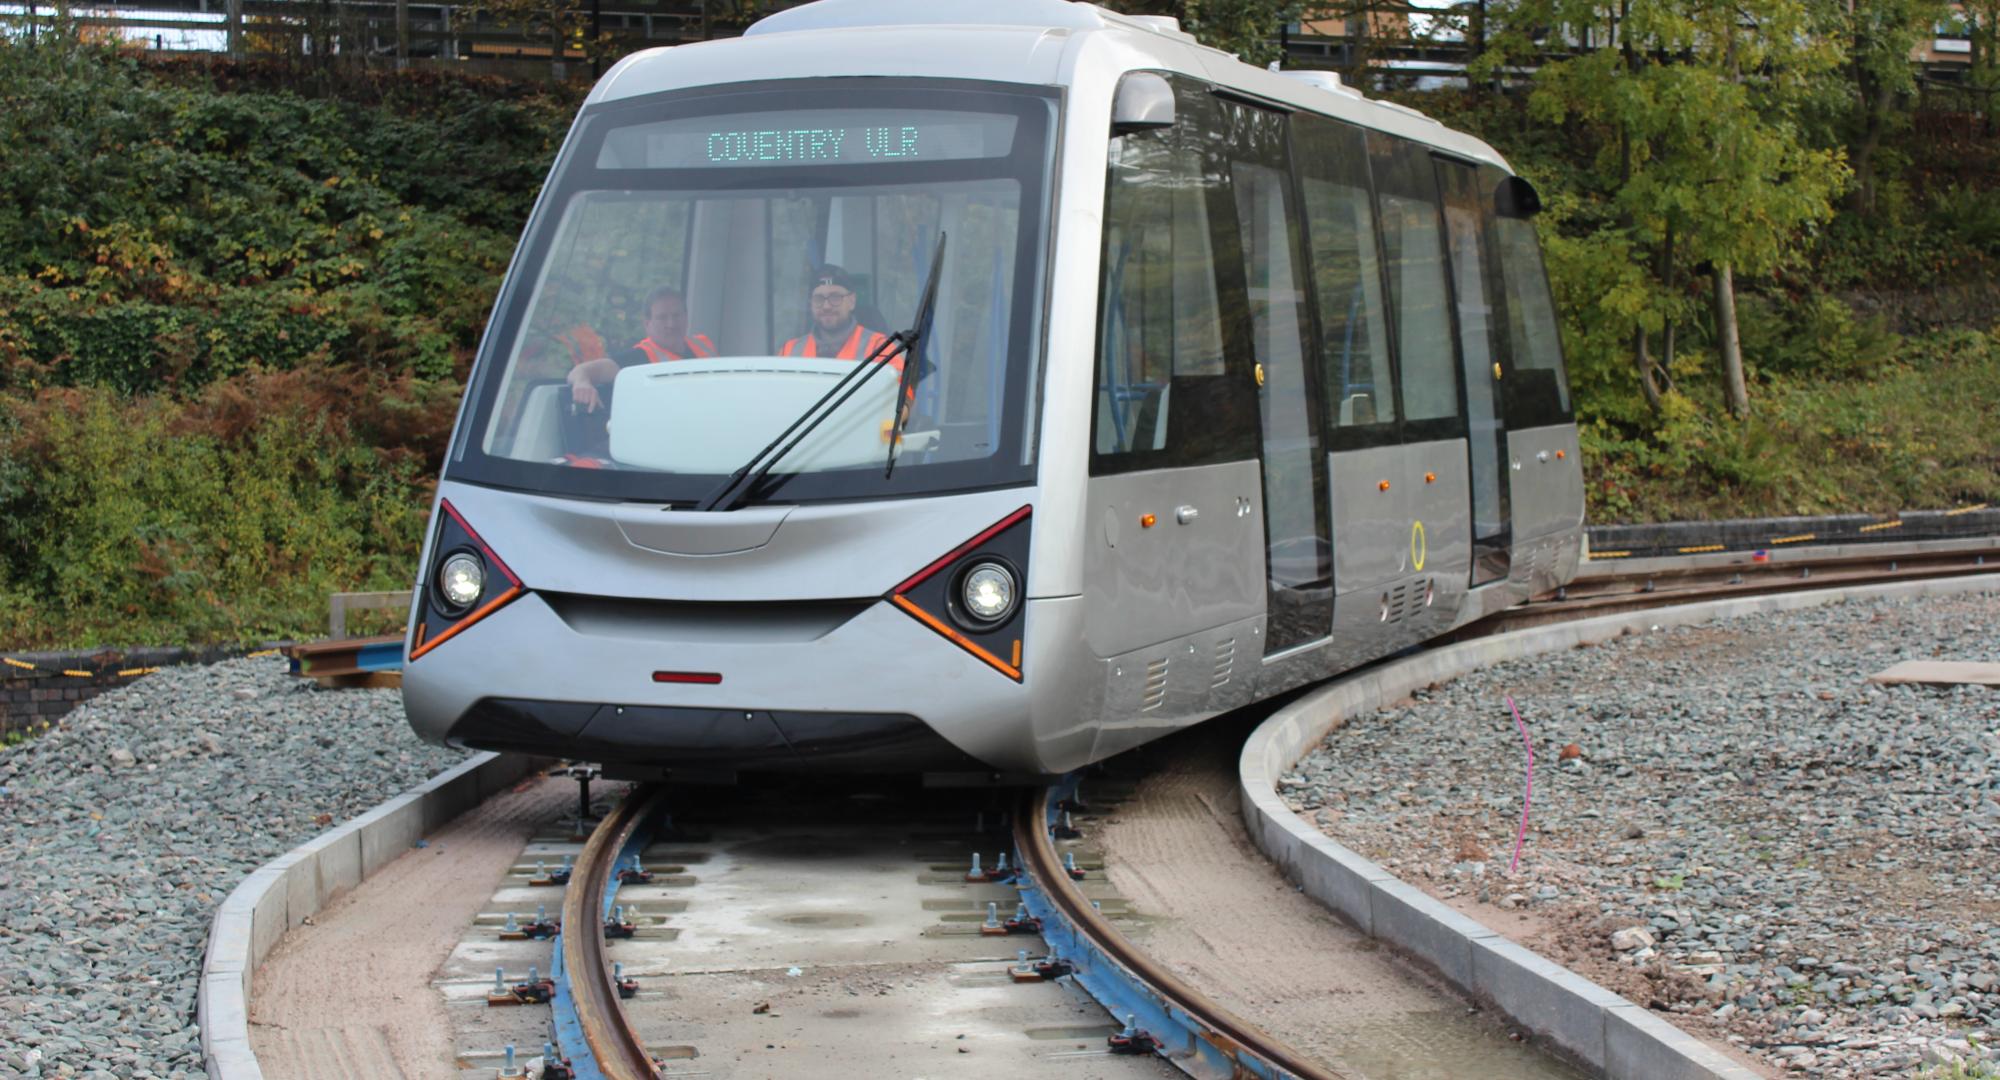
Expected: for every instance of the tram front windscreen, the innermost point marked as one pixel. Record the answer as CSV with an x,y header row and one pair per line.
x,y
705,265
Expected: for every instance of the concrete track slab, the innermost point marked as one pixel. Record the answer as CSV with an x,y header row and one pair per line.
x,y
850,948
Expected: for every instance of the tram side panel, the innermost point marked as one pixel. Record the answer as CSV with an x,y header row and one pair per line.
x,y
1542,438
1174,565
1173,597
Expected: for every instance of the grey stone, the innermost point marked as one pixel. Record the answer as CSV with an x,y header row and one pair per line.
x,y
1632,937
126,875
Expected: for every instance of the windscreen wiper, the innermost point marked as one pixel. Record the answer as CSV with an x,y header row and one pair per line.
x,y
913,361
745,479
734,489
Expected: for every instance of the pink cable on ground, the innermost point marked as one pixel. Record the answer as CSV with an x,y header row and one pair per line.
x,y
1528,793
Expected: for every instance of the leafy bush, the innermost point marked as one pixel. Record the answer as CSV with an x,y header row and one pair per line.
x,y
226,518
157,231
1915,434
1819,334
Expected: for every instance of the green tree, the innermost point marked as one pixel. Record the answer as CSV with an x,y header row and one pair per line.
x,y
1981,19
1878,37
1703,161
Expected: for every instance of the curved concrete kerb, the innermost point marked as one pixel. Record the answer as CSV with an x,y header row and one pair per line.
x,y
282,892
1606,1032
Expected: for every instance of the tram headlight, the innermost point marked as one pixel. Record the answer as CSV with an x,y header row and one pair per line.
x,y
461,580
988,591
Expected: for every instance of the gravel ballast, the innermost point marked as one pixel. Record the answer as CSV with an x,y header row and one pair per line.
x,y
123,828
1729,824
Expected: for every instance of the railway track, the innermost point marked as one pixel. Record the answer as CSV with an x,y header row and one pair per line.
x,y
1615,588
587,993
1164,1016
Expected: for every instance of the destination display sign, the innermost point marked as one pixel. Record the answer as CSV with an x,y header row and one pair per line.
x,y
809,137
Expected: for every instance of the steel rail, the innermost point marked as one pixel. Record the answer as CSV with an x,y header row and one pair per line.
x,y
609,1036
1670,587
1601,578
1225,1032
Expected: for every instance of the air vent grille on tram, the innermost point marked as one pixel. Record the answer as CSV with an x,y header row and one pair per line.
x,y
1156,685
684,621
1225,663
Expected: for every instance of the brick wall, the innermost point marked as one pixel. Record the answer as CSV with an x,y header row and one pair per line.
x,y
39,687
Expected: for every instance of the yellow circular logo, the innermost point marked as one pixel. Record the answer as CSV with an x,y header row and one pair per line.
x,y
1419,546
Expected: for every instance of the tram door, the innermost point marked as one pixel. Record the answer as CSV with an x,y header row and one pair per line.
x,y
1479,327
1297,524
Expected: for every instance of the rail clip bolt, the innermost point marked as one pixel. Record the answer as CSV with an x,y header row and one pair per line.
x,y
537,989
1132,1040
539,930
993,927
507,1067
553,1067
1066,829
514,931
1053,966
977,873
1000,871
1023,971
627,988
545,876
636,874
1022,922
1069,866
501,994
616,926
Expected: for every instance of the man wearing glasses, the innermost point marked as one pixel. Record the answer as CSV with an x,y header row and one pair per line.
x,y
835,334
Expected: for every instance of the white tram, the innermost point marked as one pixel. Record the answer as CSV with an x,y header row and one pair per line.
x,y
958,387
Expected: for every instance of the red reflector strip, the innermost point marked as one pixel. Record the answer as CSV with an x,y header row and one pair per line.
x,y
705,678
485,548
995,530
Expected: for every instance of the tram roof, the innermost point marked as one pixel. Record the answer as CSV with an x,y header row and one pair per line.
x,y
1034,42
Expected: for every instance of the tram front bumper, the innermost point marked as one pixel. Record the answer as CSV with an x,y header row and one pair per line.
x,y
881,693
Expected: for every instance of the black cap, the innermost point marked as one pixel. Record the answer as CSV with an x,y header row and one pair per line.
x,y
833,275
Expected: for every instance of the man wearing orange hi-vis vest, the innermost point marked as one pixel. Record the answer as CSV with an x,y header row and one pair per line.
x,y
835,334
667,338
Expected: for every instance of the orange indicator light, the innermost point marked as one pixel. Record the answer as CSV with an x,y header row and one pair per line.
x,y
1146,521
1560,455
1430,478
1384,485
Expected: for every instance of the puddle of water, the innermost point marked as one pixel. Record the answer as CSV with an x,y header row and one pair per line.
x,y
826,919
816,848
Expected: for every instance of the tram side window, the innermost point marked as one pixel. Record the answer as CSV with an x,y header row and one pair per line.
x,y
1163,395
1347,277
1406,190
1538,393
